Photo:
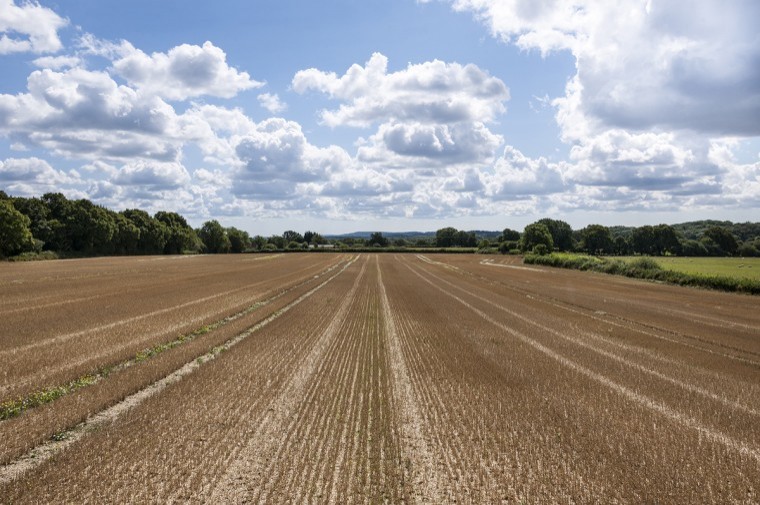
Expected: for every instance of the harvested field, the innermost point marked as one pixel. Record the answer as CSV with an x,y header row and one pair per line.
x,y
376,378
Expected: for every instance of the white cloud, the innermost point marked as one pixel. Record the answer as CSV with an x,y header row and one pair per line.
x,y
645,64
276,158
152,176
433,92
646,161
186,71
446,144
32,177
516,176
272,103
57,62
29,27
79,113
429,115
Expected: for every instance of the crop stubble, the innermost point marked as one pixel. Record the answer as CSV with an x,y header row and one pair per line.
x,y
439,379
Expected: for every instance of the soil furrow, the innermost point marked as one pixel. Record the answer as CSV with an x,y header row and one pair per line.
x,y
644,401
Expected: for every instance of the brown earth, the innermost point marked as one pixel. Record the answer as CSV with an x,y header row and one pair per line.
x,y
412,378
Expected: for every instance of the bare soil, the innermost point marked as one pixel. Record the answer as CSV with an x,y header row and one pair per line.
x,y
401,378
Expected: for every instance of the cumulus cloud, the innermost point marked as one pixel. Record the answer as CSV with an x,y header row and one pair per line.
x,y
83,113
448,144
272,103
276,158
645,64
186,71
429,115
518,176
57,62
152,175
431,92
32,176
29,27
647,161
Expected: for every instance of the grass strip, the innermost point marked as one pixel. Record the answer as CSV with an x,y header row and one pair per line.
x,y
644,268
13,408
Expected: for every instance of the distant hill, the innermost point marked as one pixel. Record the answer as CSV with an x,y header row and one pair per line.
x,y
691,230
409,235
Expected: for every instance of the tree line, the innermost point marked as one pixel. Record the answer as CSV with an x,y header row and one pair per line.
x,y
73,228
80,228
712,239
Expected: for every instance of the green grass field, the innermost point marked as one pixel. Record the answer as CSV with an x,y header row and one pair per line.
x,y
746,268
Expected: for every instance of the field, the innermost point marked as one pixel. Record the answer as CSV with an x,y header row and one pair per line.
x,y
367,378
727,267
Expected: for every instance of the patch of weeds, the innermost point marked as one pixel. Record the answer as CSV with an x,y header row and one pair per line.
x,y
13,408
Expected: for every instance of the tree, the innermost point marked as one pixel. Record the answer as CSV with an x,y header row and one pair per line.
x,y
126,238
318,239
292,236
180,235
597,239
621,246
377,238
277,241
665,240
15,236
642,240
239,240
562,233
59,209
258,242
308,236
214,237
509,235
693,248
445,237
723,239
90,228
464,239
39,215
535,234
153,233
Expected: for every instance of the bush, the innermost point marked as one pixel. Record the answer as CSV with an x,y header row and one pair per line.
x,y
748,251
645,263
541,250
35,256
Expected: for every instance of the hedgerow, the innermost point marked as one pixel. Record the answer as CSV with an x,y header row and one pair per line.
x,y
644,268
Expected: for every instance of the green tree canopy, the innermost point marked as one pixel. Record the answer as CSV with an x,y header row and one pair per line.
x,y
509,235
292,236
153,233
535,234
180,235
214,237
597,239
445,237
239,240
562,233
15,236
665,240
377,238
723,239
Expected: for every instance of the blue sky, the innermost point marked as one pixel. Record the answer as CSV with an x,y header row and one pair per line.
x,y
392,115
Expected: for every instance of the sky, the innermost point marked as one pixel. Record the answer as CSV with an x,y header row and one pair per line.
x,y
392,115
